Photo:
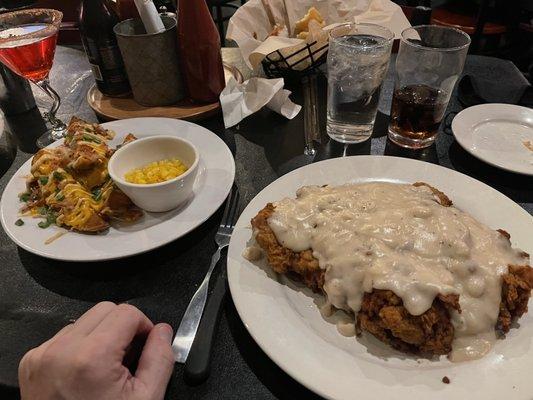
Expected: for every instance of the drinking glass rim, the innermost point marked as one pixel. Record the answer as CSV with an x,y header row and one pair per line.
x,y
388,40
442,49
52,28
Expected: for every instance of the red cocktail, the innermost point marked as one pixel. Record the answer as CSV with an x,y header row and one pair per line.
x,y
27,47
31,58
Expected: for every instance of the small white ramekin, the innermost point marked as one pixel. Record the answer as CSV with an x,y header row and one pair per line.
x,y
155,197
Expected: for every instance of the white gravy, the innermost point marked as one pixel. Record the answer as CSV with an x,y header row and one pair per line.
x,y
398,237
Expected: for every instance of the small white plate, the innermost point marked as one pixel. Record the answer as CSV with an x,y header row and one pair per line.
x,y
497,134
216,171
283,317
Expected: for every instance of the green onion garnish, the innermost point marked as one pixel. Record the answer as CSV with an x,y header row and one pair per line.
x,y
24,197
50,219
97,194
19,222
58,176
90,138
43,180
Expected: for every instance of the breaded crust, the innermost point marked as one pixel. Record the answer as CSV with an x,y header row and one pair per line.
x,y
383,315
382,312
302,266
443,199
516,290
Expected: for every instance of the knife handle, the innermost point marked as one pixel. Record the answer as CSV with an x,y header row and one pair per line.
x,y
198,364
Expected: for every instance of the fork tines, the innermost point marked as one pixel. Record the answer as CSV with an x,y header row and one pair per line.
x,y
231,210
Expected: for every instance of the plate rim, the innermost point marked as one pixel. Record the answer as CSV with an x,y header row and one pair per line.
x,y
161,243
460,138
233,270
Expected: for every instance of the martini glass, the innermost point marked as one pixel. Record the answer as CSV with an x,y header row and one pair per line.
x,y
27,46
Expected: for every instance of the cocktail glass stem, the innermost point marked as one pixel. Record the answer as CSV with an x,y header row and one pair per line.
x,y
58,128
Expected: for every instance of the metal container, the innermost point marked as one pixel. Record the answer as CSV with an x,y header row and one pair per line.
x,y
151,62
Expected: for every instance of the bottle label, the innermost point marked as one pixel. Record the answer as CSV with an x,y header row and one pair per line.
x,y
107,65
106,52
111,57
96,72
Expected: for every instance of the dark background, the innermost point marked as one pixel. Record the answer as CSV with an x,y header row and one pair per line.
x,y
500,28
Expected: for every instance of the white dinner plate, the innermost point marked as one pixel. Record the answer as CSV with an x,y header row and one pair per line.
x,y
498,134
216,171
283,317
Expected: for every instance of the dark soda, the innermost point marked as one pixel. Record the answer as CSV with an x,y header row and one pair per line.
x,y
417,111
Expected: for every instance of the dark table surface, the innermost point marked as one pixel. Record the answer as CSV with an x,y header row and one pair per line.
x,y
38,296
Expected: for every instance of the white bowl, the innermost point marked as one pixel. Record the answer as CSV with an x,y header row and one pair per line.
x,y
156,197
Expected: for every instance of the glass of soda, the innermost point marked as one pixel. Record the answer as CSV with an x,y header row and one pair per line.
x,y
358,59
429,61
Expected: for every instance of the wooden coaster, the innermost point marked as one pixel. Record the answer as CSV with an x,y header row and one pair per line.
x,y
113,108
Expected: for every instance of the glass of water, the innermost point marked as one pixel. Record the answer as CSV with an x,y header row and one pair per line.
x,y
358,59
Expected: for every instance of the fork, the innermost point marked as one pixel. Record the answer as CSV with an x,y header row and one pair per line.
x,y
186,332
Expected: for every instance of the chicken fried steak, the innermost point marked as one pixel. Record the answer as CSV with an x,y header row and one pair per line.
x,y
382,312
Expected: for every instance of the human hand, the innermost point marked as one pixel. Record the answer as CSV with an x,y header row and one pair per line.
x,y
86,360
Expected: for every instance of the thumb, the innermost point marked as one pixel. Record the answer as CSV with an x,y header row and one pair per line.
x,y
156,362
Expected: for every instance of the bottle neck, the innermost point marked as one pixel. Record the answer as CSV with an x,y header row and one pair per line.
x,y
98,12
94,4
98,6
